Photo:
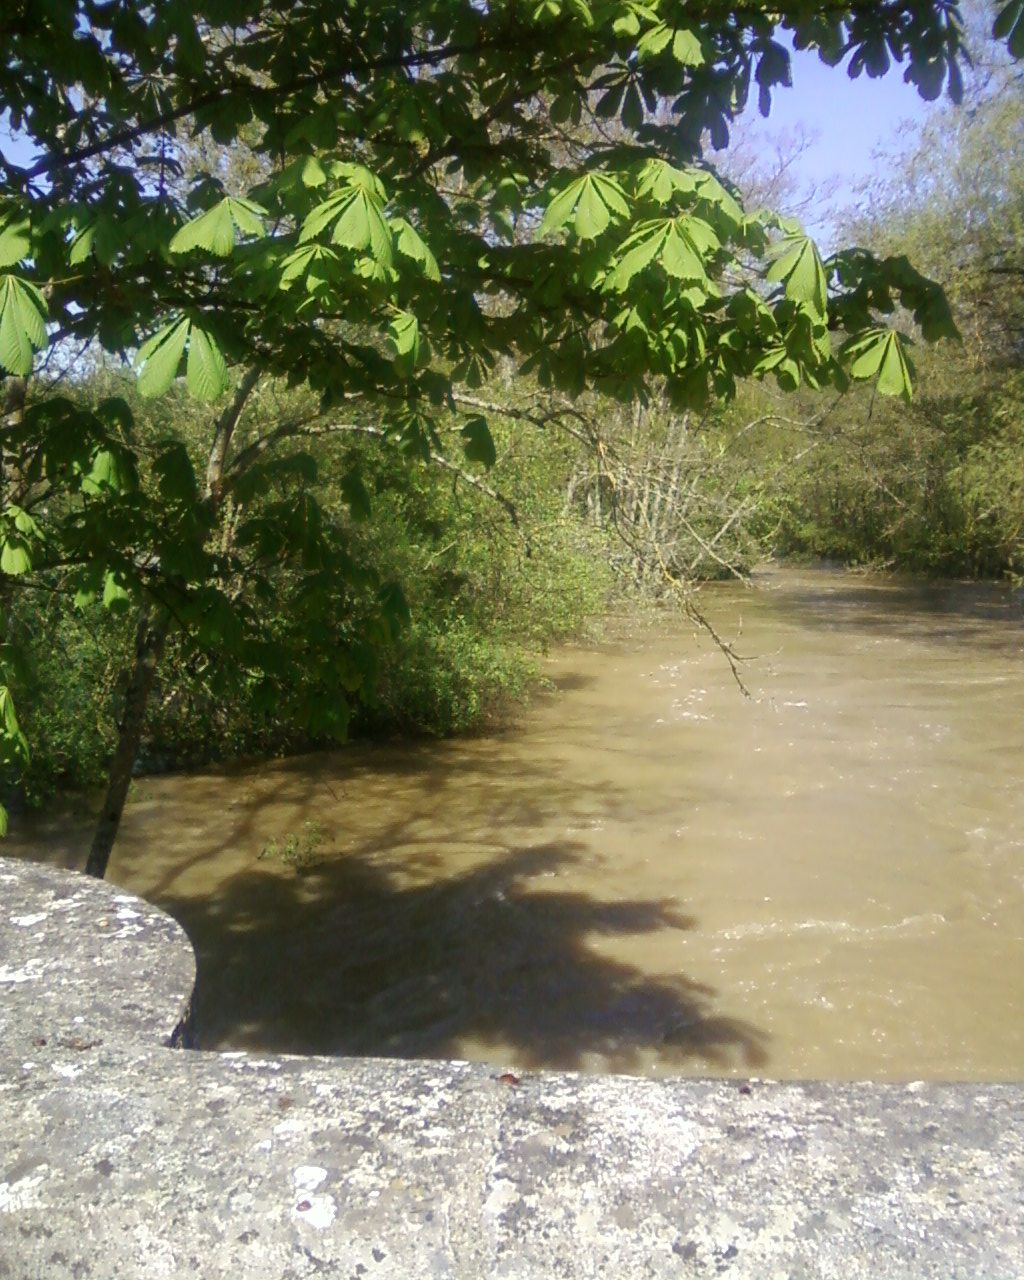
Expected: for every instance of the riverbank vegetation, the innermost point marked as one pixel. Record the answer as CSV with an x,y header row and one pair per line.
x,y
334,392
453,586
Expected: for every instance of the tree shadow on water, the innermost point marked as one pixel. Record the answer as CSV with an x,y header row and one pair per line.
x,y
349,957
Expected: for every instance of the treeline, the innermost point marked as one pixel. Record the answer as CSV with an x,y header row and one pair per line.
x,y
936,486
455,581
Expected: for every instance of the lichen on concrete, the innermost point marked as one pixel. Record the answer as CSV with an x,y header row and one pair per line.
x,y
122,1158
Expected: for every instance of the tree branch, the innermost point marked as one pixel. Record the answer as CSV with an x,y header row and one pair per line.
x,y
124,137
223,432
294,430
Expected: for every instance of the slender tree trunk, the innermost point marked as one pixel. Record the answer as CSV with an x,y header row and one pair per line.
x,y
16,391
11,484
223,432
149,644
150,637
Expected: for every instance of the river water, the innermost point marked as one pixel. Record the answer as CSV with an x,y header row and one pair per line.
x,y
648,872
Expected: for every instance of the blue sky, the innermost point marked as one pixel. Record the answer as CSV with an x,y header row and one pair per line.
x,y
13,147
848,120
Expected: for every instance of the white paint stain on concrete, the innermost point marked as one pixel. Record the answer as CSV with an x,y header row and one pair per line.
x,y
318,1211
307,1177
19,1195
502,1196
289,1126
26,922
32,972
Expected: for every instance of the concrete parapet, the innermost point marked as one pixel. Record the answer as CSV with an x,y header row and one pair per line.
x,y
121,1157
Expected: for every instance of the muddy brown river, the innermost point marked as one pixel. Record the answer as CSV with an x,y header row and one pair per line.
x,y
649,872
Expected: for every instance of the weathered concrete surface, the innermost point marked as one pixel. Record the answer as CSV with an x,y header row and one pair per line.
x,y
128,1159
80,961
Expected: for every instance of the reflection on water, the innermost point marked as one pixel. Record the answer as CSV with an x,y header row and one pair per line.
x,y
650,872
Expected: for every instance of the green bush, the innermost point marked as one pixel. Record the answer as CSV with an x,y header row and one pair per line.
x,y
485,597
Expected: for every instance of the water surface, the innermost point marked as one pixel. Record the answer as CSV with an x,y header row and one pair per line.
x,y
648,872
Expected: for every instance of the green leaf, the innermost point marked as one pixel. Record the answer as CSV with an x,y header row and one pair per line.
x,y
316,263
356,495
612,194
13,743
724,203
1009,26
680,257
111,472
661,181
322,215
15,558
8,718
22,324
23,522
247,216
299,174
626,23
478,443
642,248
160,357
3,822
560,210
687,49
115,596
699,234
14,239
864,352
86,582
800,266
81,245
404,332
880,352
654,41
358,221
592,216
214,230
207,369
409,243
594,199
361,178
176,477
362,226
771,359
107,239
894,377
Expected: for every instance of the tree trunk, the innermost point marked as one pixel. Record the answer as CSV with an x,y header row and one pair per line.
x,y
149,644
16,393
